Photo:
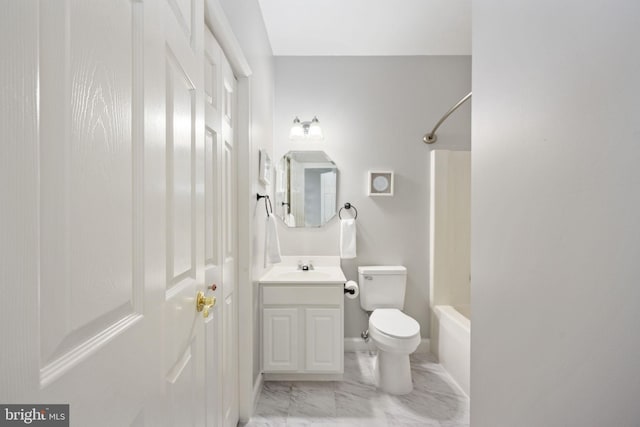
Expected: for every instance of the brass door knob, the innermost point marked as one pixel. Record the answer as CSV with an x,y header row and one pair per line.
x,y
204,304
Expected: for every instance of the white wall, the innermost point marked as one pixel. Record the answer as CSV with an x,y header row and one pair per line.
x,y
555,213
374,111
246,21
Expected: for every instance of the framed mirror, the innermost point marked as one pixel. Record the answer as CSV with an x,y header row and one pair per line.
x,y
306,189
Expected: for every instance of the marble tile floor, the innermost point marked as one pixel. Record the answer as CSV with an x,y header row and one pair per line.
x,y
435,400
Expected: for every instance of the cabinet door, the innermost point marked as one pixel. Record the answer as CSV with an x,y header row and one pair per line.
x,y
280,339
324,340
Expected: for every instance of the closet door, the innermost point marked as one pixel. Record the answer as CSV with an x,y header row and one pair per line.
x,y
213,221
229,239
221,228
184,338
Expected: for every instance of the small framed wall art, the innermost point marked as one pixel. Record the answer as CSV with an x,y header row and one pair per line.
x,y
380,183
265,167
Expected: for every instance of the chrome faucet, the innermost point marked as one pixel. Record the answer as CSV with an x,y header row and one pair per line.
x,y
305,267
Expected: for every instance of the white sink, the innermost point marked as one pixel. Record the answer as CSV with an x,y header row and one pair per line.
x,y
310,275
291,274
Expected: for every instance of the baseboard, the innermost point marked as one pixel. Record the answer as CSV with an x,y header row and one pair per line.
x,y
425,346
257,389
358,344
302,377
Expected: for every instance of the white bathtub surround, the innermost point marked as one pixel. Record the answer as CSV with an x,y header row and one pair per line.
x,y
454,344
450,246
434,401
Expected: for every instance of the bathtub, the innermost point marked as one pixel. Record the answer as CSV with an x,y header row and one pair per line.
x,y
454,342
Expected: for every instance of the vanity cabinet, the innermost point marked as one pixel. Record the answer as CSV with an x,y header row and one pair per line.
x,y
280,339
302,329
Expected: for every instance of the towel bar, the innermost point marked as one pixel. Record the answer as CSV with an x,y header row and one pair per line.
x,y
268,209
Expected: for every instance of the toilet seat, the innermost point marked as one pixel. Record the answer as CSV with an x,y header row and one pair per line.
x,y
394,323
394,331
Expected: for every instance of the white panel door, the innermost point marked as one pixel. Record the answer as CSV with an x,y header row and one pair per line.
x,y
229,235
185,342
212,222
280,339
220,225
114,206
323,340
91,332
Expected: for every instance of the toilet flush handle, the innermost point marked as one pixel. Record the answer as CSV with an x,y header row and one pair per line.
x,y
367,277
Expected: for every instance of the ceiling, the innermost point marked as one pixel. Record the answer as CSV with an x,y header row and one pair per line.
x,y
368,27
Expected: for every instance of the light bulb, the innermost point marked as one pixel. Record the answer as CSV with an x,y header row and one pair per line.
x,y
315,131
296,131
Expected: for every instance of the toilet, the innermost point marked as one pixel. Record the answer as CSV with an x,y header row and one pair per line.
x,y
394,334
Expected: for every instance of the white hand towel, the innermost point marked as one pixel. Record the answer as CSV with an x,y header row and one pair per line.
x,y
291,220
271,242
347,238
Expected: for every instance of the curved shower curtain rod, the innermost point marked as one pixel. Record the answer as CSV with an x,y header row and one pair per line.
x,y
431,137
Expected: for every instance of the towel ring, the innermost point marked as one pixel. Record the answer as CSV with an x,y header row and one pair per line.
x,y
266,199
348,206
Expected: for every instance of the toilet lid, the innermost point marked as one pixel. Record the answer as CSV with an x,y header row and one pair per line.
x,y
393,322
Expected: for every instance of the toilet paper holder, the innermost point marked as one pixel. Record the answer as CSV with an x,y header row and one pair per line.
x,y
351,289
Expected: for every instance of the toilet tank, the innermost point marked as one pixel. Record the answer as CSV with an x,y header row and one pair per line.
x,y
382,286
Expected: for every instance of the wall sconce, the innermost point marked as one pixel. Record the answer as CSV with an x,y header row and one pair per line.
x,y
306,130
